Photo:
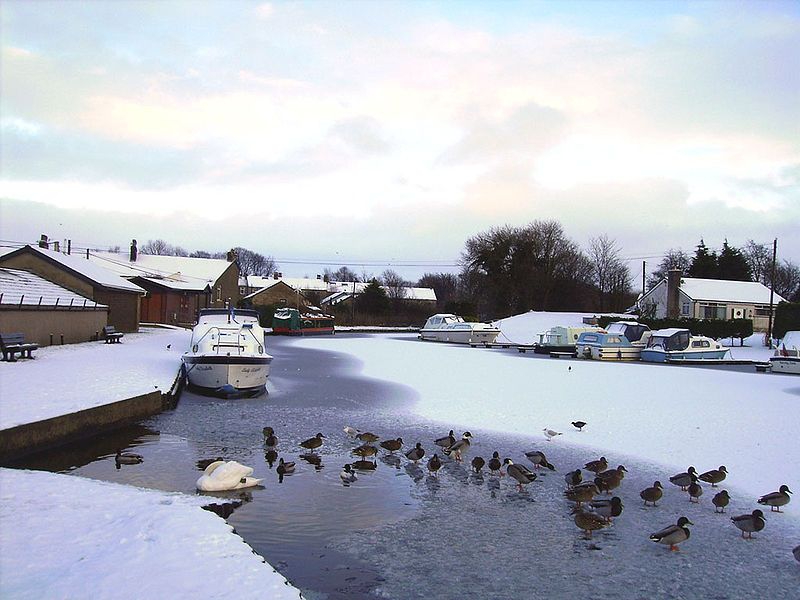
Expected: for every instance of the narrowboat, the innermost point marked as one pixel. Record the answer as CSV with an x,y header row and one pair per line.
x,y
787,356
452,328
290,321
677,345
601,345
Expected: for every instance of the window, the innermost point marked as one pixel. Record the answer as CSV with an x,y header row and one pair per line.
x,y
685,308
700,344
762,311
712,310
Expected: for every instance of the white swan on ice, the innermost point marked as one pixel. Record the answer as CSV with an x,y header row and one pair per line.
x,y
220,476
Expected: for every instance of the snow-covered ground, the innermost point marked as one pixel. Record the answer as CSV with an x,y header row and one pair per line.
x,y
69,537
668,415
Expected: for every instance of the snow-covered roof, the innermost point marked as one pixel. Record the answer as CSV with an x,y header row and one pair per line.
x,y
193,285
21,287
88,269
169,271
268,283
721,290
411,293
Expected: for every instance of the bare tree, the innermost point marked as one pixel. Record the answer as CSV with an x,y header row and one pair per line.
x,y
253,263
341,274
396,286
787,280
609,273
157,247
674,258
759,258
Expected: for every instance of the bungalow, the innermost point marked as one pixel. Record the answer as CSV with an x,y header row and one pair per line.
x,y
177,287
45,312
83,277
275,293
709,299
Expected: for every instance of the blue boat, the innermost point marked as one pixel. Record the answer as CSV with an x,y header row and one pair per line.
x,y
679,345
600,345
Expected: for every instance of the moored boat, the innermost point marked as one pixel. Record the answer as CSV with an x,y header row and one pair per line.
x,y
452,328
227,356
290,321
602,345
676,345
787,355
561,339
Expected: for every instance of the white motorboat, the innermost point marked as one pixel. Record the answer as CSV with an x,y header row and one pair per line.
x,y
679,345
227,356
452,328
787,355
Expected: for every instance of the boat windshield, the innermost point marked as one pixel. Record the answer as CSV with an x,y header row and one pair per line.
x,y
452,319
677,341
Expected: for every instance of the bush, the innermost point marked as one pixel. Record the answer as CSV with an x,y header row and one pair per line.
x,y
713,328
787,318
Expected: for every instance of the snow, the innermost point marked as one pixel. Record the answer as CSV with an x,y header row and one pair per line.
x,y
524,329
66,379
21,288
748,292
160,267
118,541
669,415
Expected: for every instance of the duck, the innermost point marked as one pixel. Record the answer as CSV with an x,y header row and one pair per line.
x,y
221,476
268,431
674,534
365,450
796,553
270,456
128,458
695,490
347,475
284,468
271,441
478,463
367,437
313,443
447,440
434,464
618,473
550,433
495,464
573,478
521,473
652,494
683,480
720,501
351,431
539,460
416,453
459,447
365,465
579,425
313,459
392,445
607,508
605,485
776,499
596,466
750,523
582,493
588,521
714,476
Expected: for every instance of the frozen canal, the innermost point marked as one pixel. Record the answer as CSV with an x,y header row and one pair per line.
x,y
400,533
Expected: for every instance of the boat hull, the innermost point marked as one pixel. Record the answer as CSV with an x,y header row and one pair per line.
x,y
650,355
456,336
227,375
609,353
785,364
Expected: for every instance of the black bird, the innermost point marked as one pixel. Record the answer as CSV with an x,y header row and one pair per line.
x,y
478,463
416,453
579,425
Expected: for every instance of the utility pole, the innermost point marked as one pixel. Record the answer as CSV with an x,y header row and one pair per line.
x,y
353,315
772,290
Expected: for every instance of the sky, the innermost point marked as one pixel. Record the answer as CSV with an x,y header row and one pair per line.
x,y
385,134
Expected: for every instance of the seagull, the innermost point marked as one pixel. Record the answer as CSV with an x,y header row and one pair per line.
x,y
750,523
550,434
674,534
579,425
351,431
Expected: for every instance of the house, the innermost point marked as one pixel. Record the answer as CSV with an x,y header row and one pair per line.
x,y
83,277
177,287
342,291
695,298
275,293
45,312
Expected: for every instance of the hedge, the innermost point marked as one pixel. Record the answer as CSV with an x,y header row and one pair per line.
x,y
787,318
713,328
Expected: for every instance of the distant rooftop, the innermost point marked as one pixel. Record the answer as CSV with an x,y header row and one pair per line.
x,y
180,272
19,287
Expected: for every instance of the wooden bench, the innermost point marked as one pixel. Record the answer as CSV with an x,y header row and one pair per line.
x,y
111,335
14,343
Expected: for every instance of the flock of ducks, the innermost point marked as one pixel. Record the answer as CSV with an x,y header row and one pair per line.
x,y
590,512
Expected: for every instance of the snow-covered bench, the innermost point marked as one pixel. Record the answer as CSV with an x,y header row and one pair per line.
x,y
14,343
111,335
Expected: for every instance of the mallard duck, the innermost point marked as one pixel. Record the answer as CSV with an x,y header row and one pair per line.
x,y
460,447
270,456
750,523
392,445
347,475
416,453
478,463
521,473
714,476
652,494
539,460
550,433
446,441
587,521
367,437
221,476
695,490
271,441
284,468
720,501
579,425
128,458
581,493
495,464
607,508
683,480
268,431
365,465
596,466
776,499
617,474
674,534
351,431
313,443
573,478
434,464
605,485
365,450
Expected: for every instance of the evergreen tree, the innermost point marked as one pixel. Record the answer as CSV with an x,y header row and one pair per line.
x,y
373,300
704,263
732,264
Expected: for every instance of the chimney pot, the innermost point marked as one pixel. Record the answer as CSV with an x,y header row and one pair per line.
x,y
134,251
43,243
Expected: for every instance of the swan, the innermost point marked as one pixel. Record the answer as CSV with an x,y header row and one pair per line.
x,y
220,476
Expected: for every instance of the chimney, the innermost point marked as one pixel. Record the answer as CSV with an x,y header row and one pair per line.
x,y
57,246
231,255
673,293
134,251
69,246
319,276
43,243
276,275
